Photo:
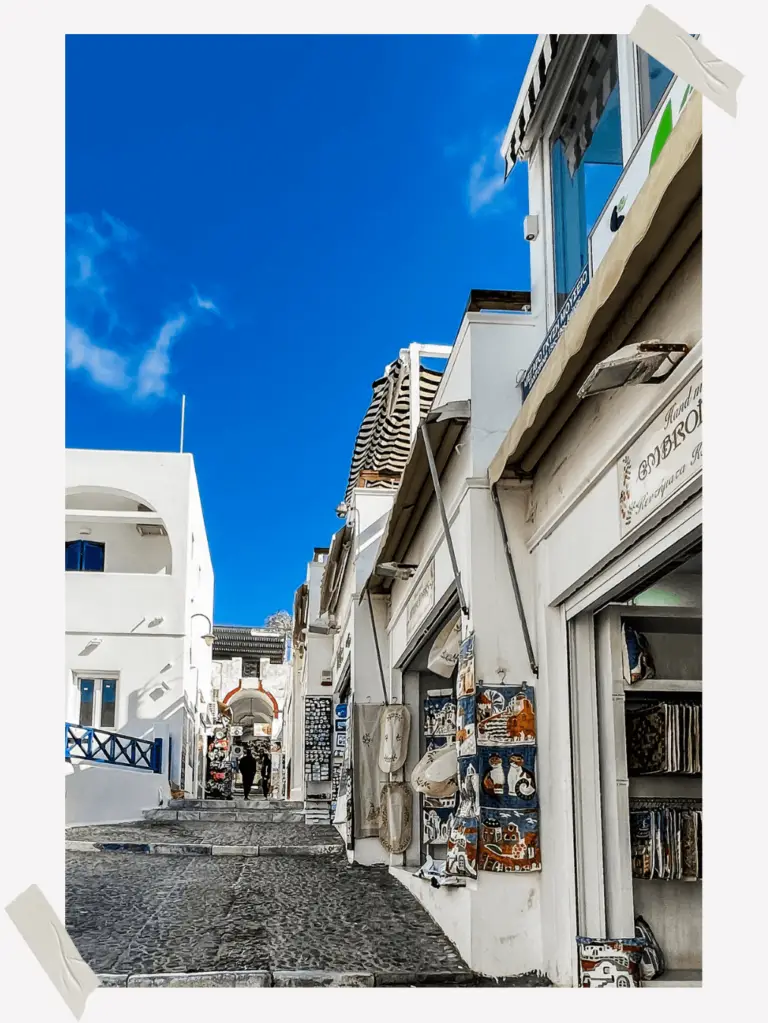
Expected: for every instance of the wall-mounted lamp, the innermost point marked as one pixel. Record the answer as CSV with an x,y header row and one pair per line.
x,y
96,641
85,532
209,637
155,622
648,362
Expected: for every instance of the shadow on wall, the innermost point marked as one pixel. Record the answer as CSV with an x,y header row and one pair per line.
x,y
106,793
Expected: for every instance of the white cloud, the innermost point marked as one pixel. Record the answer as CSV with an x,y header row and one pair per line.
x,y
98,344
152,379
105,366
486,177
203,303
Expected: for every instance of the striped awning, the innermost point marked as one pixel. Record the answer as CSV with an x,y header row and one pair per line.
x,y
534,82
384,439
585,108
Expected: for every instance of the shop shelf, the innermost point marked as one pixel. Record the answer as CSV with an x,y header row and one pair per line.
x,y
664,685
676,978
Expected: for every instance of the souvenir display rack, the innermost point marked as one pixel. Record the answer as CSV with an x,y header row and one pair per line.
x,y
672,907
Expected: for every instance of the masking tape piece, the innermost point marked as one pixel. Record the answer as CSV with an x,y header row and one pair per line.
x,y
46,935
693,63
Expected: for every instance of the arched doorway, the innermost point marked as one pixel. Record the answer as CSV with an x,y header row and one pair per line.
x,y
254,712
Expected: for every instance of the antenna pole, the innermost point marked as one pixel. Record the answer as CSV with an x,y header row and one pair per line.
x,y
183,406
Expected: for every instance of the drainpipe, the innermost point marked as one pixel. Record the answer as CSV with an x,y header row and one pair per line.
x,y
444,517
515,584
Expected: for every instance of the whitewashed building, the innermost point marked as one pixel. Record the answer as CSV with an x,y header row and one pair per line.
x,y
564,445
139,603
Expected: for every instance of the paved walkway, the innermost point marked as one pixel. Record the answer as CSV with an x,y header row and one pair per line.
x,y
283,907
135,915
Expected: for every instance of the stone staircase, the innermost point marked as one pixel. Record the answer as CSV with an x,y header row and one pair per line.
x,y
244,811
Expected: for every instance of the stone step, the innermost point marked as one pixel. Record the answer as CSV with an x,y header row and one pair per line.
x,y
162,813
255,805
290,978
199,849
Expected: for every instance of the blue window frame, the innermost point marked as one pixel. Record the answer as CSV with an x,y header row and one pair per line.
x,y
587,160
108,691
87,690
84,556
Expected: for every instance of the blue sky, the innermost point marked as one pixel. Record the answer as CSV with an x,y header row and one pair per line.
x,y
261,223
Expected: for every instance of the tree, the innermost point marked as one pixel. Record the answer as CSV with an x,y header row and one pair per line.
x,y
280,621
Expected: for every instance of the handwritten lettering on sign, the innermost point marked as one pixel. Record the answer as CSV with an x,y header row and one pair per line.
x,y
666,457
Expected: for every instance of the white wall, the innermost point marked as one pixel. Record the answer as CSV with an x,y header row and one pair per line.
x,y
106,794
144,621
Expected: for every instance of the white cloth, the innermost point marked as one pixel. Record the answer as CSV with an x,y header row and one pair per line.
x,y
367,778
444,655
395,728
437,773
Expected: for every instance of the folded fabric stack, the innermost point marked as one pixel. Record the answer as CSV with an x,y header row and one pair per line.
x,y
664,738
666,843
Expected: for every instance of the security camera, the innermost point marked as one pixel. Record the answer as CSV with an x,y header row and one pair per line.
x,y
341,510
396,570
531,227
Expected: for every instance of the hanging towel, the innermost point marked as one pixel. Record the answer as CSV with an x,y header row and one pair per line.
x,y
395,817
367,778
395,728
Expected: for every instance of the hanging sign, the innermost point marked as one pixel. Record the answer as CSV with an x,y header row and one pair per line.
x,y
637,170
422,599
554,333
663,459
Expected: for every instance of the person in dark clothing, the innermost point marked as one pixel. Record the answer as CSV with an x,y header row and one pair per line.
x,y
247,768
266,774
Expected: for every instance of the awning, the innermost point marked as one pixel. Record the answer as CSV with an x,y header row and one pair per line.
x,y
445,425
541,61
300,601
334,569
384,438
662,224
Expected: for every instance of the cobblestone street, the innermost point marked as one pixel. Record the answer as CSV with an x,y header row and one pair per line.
x,y
131,914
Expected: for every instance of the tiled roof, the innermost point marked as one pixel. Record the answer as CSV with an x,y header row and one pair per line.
x,y
237,641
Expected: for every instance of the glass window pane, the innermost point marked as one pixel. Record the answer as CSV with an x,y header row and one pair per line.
x,y
587,161
653,80
86,702
108,693
72,555
93,557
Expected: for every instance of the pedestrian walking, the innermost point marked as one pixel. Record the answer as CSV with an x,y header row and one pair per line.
x,y
266,774
247,768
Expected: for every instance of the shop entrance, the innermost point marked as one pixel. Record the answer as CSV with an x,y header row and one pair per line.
x,y
636,692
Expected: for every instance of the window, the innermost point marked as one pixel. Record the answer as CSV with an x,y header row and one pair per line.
x,y
97,700
587,160
653,79
84,556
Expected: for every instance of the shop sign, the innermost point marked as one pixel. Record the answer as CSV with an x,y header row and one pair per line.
x,y
666,457
554,333
637,170
422,600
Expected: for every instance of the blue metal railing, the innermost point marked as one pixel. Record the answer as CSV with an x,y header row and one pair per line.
x,y
83,743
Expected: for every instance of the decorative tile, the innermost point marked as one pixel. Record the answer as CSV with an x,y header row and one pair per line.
x,y
461,858
439,715
465,726
469,788
509,841
505,716
610,962
436,825
465,682
508,778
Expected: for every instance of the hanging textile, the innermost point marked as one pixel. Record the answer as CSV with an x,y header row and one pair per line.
x,y
394,730
436,774
395,817
444,655
368,778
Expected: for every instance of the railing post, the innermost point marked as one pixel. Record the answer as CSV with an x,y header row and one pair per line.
x,y
157,756
66,740
90,743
